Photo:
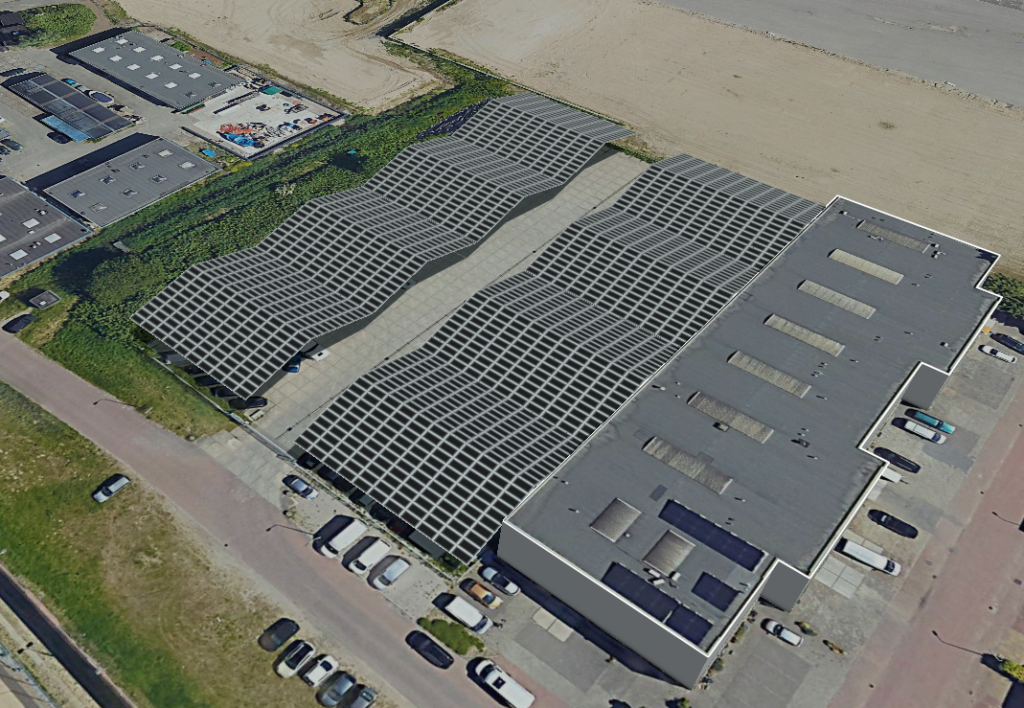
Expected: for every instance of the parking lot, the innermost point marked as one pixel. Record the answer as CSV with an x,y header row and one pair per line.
x,y
42,154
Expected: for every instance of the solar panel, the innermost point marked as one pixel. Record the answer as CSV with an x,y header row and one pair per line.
x,y
689,624
714,537
640,592
716,592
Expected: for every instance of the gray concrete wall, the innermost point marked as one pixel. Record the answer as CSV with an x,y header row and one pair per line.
x,y
649,638
784,586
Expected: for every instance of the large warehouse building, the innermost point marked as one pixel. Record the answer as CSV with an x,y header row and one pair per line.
x,y
31,228
157,70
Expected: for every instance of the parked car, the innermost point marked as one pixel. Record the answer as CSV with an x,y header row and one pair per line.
x,y
510,691
244,404
274,636
1009,342
294,364
430,650
307,461
495,578
18,323
390,574
786,635
223,392
897,526
931,420
192,370
293,658
897,459
481,594
317,672
58,138
12,144
364,698
13,72
300,487
926,433
206,380
110,487
4,151
1002,356
327,474
335,690
370,556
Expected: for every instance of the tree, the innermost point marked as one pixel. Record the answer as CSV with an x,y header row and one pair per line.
x,y
1013,670
1012,291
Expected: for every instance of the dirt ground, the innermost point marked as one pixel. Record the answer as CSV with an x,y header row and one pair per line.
x,y
308,41
800,119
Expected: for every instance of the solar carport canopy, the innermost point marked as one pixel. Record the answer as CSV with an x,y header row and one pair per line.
x,y
452,436
340,258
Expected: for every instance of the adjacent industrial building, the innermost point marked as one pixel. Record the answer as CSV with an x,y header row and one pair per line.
x,y
12,28
31,228
160,72
73,113
341,258
129,182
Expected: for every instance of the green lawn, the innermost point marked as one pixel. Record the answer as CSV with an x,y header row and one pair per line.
x,y
127,581
95,337
56,24
452,635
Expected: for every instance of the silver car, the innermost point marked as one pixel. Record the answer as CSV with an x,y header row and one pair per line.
x,y
392,571
787,635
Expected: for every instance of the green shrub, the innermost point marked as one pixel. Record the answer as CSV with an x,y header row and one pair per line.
x,y
56,24
182,46
454,636
1013,670
1012,291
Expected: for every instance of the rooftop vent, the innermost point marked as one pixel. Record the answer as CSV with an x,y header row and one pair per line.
x,y
725,413
834,297
866,266
668,553
766,372
914,244
693,467
807,336
615,520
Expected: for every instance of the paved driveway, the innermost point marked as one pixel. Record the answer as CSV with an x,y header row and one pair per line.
x,y
334,601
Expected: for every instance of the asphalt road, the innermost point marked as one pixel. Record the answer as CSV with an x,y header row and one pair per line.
x,y
975,45
341,605
58,644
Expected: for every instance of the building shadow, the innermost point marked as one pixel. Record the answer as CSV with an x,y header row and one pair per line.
x,y
1014,697
577,622
94,158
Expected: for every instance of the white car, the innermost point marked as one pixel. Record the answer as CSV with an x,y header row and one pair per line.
x,y
293,658
301,487
924,432
495,578
319,670
110,487
1001,356
392,572
507,688
787,635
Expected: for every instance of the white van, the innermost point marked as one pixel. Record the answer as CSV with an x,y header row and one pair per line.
x,y
891,475
868,557
332,547
924,432
504,686
371,556
468,615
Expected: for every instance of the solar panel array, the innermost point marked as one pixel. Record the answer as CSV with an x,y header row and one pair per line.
x,y
452,436
656,603
709,534
340,258
710,588
71,106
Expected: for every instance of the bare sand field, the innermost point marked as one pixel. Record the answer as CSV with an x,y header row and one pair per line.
x,y
797,118
308,41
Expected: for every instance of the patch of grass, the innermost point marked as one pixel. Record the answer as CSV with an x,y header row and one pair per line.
x,y
452,635
56,24
127,582
182,46
115,13
886,125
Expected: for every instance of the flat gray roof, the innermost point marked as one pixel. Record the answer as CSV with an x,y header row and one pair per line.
x,y
129,182
158,70
782,498
31,228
